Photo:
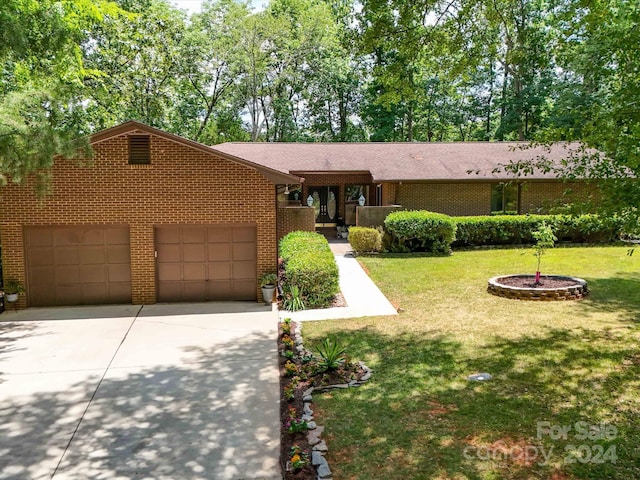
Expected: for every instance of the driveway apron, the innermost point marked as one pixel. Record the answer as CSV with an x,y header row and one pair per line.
x,y
158,392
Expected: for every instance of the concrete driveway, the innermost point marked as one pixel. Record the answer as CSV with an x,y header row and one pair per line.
x,y
155,392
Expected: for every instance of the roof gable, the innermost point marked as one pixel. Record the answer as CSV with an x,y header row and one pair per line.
x,y
274,175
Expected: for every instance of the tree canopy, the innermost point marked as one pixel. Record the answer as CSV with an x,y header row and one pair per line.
x,y
325,70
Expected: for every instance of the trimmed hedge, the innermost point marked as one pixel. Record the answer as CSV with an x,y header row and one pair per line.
x,y
419,231
518,229
365,239
310,265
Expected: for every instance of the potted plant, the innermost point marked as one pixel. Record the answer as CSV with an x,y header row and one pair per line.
x,y
12,289
268,285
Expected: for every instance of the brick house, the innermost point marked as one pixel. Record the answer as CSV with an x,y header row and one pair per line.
x,y
154,217
451,178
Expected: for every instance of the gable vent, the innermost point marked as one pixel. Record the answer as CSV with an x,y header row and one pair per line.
x,y
139,150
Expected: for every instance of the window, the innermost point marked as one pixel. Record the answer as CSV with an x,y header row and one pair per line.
x,y
139,150
505,198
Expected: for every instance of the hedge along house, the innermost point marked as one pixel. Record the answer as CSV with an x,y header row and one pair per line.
x,y
153,217
461,178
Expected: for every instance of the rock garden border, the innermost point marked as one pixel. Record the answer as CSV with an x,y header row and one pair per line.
x,y
309,445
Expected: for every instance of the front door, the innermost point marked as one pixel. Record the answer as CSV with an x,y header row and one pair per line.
x,y
325,202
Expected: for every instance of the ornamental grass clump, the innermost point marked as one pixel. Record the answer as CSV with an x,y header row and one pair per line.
x,y
332,355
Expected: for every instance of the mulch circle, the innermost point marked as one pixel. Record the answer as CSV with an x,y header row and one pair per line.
x,y
528,281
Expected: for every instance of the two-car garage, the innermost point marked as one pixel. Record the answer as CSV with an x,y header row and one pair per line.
x,y
91,264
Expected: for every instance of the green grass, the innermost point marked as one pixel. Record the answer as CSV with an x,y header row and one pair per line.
x,y
557,362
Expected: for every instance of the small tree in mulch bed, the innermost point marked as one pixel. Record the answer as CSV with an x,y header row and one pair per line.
x,y
297,374
544,239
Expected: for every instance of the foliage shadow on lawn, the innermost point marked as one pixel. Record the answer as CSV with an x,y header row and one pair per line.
x,y
614,294
421,418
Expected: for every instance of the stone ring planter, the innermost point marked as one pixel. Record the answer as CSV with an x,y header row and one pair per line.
x,y
552,288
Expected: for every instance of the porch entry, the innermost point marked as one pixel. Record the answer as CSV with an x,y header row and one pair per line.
x,y
325,203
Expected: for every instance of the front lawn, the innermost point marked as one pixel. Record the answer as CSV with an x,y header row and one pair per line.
x,y
564,401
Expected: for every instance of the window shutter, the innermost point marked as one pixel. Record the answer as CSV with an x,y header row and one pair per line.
x,y
139,149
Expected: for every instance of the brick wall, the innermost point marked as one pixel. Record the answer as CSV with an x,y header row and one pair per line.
x,y
291,219
538,197
181,186
475,198
448,198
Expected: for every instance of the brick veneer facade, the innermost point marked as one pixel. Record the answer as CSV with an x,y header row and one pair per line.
x,y
448,198
291,219
469,198
182,185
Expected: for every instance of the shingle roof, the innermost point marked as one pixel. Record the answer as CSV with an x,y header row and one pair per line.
x,y
398,161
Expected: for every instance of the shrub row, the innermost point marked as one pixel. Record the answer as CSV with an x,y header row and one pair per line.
x,y
419,231
310,265
514,230
422,231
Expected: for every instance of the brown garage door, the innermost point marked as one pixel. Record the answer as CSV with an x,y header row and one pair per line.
x,y
198,263
78,265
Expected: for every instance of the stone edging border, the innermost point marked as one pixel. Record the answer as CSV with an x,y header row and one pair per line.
x,y
574,292
318,446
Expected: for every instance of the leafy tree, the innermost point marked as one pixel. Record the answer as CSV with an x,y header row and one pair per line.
x,y
41,82
140,57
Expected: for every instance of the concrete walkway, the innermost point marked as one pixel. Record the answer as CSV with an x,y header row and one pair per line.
x,y
363,297
119,392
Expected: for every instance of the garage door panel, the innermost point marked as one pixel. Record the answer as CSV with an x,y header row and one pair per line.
x,y
170,271
220,290
118,236
40,276
92,255
119,274
194,292
69,294
93,274
66,255
67,236
39,237
93,236
244,270
166,236
207,262
194,253
219,271
219,252
69,265
244,251
244,290
219,235
67,274
194,271
169,291
170,253
92,293
41,256
194,235
41,295
118,254
120,292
